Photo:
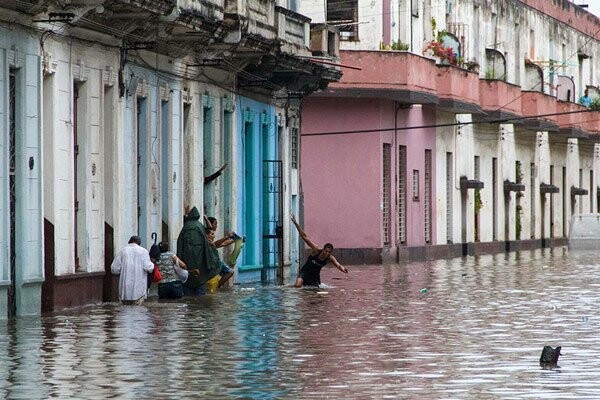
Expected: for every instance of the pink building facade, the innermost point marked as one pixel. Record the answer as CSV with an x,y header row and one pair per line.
x,y
406,159
368,181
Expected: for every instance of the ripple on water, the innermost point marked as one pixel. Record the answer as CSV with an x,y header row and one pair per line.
x,y
477,333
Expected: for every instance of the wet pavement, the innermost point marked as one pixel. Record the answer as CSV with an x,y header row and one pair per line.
x,y
470,328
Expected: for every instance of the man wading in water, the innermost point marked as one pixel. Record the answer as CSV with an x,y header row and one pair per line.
x,y
310,273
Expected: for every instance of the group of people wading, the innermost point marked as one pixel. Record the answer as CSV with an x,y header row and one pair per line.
x,y
196,267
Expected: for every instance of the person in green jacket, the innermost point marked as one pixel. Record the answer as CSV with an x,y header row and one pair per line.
x,y
194,249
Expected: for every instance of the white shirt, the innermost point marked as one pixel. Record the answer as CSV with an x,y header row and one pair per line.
x,y
133,263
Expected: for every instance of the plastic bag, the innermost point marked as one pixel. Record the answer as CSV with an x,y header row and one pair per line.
x,y
156,275
213,284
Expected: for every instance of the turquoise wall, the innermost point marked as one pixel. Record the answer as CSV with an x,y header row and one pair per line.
x,y
257,135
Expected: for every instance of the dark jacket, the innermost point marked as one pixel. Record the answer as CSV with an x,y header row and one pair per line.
x,y
196,252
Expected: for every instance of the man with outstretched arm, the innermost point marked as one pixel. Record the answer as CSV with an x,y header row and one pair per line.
x,y
310,273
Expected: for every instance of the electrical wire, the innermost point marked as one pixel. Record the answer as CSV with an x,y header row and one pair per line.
x,y
404,128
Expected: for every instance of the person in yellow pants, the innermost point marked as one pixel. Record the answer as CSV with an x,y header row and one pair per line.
x,y
226,271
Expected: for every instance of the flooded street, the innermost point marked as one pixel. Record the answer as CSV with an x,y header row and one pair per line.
x,y
470,328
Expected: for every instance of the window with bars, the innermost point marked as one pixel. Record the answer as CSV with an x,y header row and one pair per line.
x,y
387,153
12,121
552,203
518,207
415,184
477,202
564,205
402,194
494,198
12,114
294,145
344,15
427,196
76,172
580,200
591,193
449,193
187,159
211,146
532,199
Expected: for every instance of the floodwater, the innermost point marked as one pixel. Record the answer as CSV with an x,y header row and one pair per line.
x,y
467,328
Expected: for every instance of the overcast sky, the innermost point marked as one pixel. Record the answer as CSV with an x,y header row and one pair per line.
x,y
593,6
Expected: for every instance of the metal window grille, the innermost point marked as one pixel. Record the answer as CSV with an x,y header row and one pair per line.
x,y
227,176
564,205
294,144
344,15
580,199
187,158
427,196
591,191
532,200
552,203
402,194
476,175
76,167
415,185
449,193
518,179
387,153
11,306
211,146
272,270
494,198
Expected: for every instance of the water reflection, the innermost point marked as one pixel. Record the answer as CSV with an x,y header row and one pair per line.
x,y
476,332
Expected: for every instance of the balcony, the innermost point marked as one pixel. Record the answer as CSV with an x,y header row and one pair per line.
x,y
396,75
211,9
535,104
261,18
572,122
293,30
457,89
592,122
499,99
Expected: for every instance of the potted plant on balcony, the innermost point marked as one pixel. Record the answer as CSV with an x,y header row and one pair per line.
x,y
437,49
472,65
445,55
394,46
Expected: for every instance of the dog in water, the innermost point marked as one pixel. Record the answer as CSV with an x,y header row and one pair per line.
x,y
549,357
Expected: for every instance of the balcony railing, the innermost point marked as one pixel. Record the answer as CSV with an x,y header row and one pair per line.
x,y
572,119
293,30
212,9
535,104
499,98
457,89
398,75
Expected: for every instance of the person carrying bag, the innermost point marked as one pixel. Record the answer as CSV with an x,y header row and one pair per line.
x,y
170,286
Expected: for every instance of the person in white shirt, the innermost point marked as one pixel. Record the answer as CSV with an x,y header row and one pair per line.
x,y
133,265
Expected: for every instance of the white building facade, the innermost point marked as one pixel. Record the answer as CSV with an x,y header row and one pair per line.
x,y
115,113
